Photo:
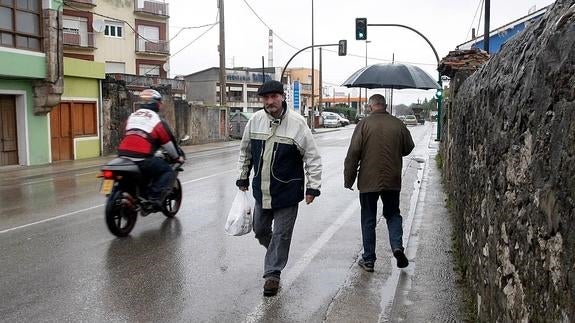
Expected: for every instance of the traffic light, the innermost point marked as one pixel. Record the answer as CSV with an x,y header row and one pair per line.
x,y
342,50
439,94
360,28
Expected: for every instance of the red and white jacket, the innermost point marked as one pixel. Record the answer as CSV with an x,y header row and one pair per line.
x,y
145,133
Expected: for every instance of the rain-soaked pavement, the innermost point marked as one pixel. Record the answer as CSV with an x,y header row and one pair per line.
x,y
59,262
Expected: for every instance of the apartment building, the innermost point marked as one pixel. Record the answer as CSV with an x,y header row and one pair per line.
x,y
54,56
304,77
30,79
119,40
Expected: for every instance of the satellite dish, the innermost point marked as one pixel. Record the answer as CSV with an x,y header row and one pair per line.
x,y
166,67
98,25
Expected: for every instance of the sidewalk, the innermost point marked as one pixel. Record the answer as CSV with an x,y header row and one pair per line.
x,y
17,172
433,293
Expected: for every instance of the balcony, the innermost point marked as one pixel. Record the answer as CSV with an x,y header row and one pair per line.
x,y
160,47
75,39
82,3
140,82
151,7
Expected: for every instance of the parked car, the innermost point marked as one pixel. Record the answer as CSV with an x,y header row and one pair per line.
x,y
343,120
410,120
331,121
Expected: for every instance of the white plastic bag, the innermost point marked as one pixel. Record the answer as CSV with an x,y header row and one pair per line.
x,y
240,217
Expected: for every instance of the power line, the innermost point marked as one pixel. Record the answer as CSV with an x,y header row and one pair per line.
x,y
328,50
268,27
192,27
473,20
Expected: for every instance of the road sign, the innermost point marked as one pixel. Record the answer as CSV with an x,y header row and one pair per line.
x,y
296,95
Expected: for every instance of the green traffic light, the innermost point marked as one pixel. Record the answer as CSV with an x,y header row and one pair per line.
x,y
360,28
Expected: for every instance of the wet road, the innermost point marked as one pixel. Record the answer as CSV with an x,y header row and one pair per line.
x,y
59,262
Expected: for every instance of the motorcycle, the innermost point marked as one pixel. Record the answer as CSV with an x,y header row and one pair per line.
x,y
126,193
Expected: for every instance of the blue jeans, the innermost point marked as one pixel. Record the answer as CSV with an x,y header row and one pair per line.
x,y
162,177
368,202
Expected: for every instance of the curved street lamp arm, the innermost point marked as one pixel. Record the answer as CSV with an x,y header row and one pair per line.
x,y
301,50
412,29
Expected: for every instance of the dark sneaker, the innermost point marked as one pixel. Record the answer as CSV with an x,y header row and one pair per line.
x,y
271,286
402,261
366,265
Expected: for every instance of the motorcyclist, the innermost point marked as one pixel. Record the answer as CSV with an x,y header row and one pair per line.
x,y
145,133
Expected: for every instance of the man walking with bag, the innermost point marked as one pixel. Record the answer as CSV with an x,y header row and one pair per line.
x,y
377,146
280,148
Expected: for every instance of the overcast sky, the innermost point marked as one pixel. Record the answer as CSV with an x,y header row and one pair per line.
x,y
446,23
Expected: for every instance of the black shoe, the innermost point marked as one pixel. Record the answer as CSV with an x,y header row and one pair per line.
x,y
271,286
366,265
402,261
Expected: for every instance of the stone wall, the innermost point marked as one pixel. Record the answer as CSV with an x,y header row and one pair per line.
x,y
203,124
509,165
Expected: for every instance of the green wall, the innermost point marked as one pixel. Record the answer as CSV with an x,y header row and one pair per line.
x,y
81,81
75,87
39,141
83,68
22,65
87,148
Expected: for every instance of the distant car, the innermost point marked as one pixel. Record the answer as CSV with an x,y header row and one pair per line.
x,y
331,121
402,117
343,120
410,120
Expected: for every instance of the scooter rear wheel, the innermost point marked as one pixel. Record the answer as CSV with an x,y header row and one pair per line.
x,y
173,201
120,217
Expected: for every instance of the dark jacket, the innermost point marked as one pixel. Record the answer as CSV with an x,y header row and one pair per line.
x,y
377,146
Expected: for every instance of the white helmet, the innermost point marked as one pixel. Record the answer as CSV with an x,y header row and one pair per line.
x,y
150,99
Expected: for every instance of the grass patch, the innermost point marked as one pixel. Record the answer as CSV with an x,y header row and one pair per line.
x,y
439,160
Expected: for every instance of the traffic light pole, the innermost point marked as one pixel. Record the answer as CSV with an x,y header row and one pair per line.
x,y
439,100
299,51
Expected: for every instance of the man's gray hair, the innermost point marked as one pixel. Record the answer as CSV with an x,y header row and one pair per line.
x,y
377,99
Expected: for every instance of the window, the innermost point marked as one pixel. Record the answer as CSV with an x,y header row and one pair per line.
x,y
114,29
149,70
75,30
20,24
84,119
149,39
115,67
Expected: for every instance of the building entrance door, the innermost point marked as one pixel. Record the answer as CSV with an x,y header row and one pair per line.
x,y
61,132
8,133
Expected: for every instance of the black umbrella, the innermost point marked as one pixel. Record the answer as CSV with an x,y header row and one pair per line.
x,y
391,76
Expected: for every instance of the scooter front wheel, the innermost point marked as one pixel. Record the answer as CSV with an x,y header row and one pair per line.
x,y
120,216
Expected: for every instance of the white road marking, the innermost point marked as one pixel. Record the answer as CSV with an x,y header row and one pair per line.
x,y
50,219
100,205
294,272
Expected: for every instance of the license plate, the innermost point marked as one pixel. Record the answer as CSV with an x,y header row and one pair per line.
x,y
106,187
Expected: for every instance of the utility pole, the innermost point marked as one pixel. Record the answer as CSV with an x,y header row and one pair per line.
x,y
366,42
312,116
486,27
222,50
320,84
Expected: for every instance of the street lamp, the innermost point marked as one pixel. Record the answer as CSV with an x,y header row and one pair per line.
x,y
366,42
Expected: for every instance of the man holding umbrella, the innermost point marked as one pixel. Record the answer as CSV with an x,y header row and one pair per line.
x,y
379,142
